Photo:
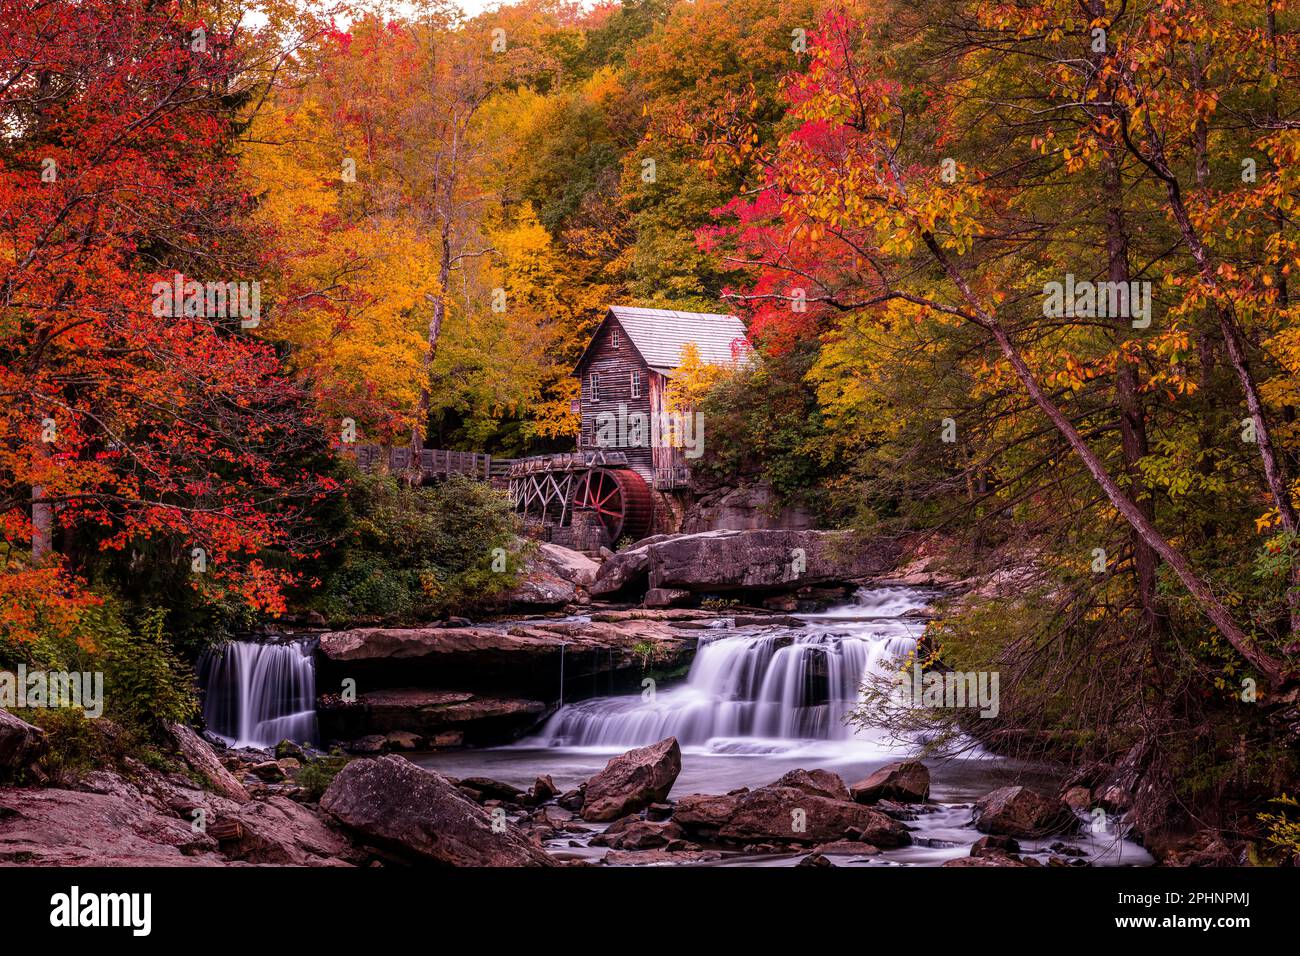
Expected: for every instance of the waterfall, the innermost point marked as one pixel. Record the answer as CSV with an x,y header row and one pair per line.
x,y
256,695
563,645
759,684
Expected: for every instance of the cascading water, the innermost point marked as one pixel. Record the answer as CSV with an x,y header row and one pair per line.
x,y
765,685
256,695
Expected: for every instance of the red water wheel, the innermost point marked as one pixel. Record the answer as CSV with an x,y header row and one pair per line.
x,y
620,498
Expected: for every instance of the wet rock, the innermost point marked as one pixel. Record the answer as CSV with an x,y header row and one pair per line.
x,y
906,782
21,744
994,844
847,848
402,740
820,783
279,831
572,799
543,789
814,859
632,781
556,817
493,789
640,835
287,748
1021,812
202,759
53,827
391,802
367,745
704,813
403,714
783,813
659,857
1077,798
268,770
740,560
989,859
665,597
1066,849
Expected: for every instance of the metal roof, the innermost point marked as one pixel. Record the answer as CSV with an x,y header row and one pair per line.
x,y
660,335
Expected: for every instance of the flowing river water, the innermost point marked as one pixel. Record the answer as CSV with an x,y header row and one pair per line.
x,y
762,700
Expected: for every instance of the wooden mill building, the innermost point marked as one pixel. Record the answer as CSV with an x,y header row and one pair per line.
x,y
624,372
624,480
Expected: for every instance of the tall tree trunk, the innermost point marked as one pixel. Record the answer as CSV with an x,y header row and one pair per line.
x,y
1234,345
1233,341
1132,416
1268,666
447,188
1132,421
42,526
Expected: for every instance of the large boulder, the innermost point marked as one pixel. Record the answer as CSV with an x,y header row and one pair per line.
x,y
743,509
821,783
905,782
419,814
278,830
665,597
744,560
784,813
632,781
632,833
706,814
1021,812
202,759
553,576
20,743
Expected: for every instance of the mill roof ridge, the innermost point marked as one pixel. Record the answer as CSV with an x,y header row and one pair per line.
x,y
659,335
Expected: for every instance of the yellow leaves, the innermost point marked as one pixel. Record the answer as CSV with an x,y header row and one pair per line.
x,y
692,380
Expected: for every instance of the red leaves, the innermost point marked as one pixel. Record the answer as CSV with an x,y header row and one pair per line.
x,y
158,425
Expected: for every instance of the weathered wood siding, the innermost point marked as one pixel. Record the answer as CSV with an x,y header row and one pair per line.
x,y
615,365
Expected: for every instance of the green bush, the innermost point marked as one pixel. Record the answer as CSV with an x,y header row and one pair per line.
x,y
765,424
317,774
74,746
409,553
146,686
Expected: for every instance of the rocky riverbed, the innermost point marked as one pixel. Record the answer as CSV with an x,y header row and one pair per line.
x,y
217,807
708,735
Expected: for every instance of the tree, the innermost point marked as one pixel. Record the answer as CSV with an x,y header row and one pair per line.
x,y
857,216
130,416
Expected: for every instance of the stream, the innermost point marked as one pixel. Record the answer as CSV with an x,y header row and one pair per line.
x,y
763,700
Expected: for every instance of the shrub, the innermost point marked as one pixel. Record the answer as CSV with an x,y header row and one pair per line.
x,y
408,553
74,745
146,686
318,773
1284,827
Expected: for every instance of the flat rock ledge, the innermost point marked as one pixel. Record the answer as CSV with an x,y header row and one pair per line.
x,y
774,560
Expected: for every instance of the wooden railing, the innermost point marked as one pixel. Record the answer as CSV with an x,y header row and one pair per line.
x,y
429,461
571,461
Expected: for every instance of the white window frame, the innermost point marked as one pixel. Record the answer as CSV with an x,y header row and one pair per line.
x,y
634,378
615,339
593,385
